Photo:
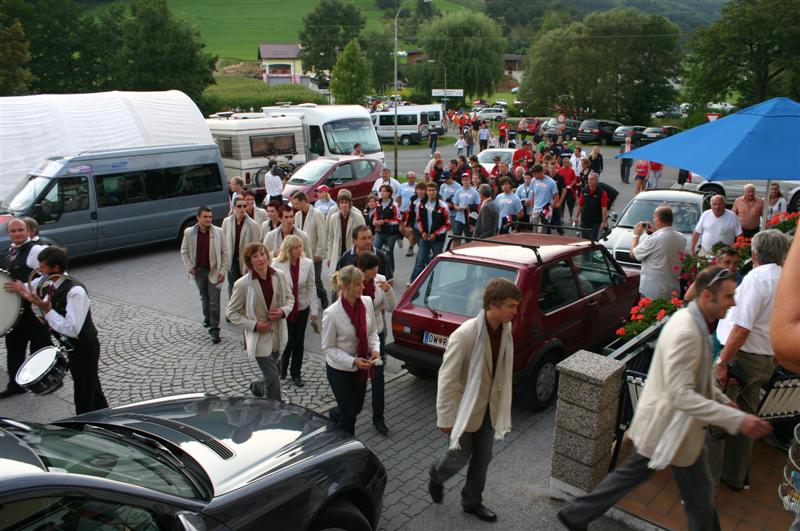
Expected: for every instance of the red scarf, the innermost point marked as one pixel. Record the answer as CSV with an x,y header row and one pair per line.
x,y
369,288
294,271
358,317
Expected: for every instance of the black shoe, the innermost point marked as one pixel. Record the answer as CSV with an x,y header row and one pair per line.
x,y
206,323
435,489
482,512
380,425
298,382
214,336
568,525
257,388
11,391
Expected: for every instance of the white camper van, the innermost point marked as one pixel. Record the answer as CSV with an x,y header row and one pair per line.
x,y
413,122
247,145
332,130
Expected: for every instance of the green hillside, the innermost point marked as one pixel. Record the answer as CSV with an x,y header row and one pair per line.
x,y
235,28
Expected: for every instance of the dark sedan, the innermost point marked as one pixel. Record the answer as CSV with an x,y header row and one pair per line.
x,y
194,462
651,134
600,131
624,131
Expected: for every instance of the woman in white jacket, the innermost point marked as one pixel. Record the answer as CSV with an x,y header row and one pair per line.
x,y
300,272
350,344
380,291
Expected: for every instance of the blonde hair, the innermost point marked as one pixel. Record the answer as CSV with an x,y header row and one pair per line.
x,y
346,277
289,243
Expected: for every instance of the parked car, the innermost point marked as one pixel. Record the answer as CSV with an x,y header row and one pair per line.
x,y
492,113
574,296
193,462
686,210
356,174
651,134
730,190
535,124
624,131
486,157
553,129
600,131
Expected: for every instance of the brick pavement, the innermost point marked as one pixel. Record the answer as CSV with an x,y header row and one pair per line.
x,y
147,354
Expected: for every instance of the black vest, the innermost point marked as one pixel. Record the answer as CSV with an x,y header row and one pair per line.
x,y
59,302
19,269
592,210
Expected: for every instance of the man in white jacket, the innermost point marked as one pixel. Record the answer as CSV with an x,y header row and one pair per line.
x,y
312,222
677,405
473,401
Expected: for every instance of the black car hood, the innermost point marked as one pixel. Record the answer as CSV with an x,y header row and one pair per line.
x,y
234,439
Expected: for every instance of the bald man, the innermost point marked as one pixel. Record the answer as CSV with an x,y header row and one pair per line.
x,y
659,252
717,224
749,209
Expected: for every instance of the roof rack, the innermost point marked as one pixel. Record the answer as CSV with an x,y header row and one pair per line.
x,y
534,248
563,227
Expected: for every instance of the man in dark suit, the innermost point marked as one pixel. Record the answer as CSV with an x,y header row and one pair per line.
x,y
488,214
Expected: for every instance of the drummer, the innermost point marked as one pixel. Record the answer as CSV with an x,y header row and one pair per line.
x,y
66,310
19,261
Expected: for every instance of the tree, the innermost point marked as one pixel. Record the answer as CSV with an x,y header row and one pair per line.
x,y
14,76
388,4
326,31
378,48
161,52
614,64
350,80
753,50
471,47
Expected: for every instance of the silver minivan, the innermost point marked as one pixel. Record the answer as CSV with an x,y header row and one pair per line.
x,y
412,124
106,200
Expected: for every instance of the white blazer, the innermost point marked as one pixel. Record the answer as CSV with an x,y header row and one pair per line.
x,y
250,233
335,235
306,288
384,302
314,226
339,335
274,238
220,257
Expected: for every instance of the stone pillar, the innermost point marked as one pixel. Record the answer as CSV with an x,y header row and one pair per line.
x,y
586,418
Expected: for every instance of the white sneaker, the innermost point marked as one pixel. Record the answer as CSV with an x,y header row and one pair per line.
x,y
400,243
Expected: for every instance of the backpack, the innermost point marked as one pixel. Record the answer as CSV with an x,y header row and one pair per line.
x,y
610,191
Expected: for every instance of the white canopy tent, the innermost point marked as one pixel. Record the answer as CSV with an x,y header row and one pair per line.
x,y
34,128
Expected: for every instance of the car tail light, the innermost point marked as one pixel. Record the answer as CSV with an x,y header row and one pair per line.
x,y
629,133
664,130
689,177
596,131
401,329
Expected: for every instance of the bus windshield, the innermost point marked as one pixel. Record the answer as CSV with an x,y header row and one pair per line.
x,y
342,135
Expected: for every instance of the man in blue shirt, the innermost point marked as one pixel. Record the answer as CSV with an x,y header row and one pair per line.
x,y
465,203
508,204
524,190
545,192
448,190
407,191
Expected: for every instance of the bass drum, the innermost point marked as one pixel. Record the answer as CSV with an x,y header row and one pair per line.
x,y
44,372
10,305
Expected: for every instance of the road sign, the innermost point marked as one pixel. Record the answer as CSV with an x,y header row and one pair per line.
x,y
561,118
454,93
712,116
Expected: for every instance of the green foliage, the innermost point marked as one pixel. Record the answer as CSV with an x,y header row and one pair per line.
x,y
231,92
387,4
326,31
14,76
647,313
471,47
379,49
614,64
754,49
350,79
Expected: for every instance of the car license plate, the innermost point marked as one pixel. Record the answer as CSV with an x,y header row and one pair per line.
x,y
434,340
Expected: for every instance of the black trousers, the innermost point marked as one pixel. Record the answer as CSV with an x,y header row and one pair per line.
x,y
27,331
625,170
349,393
378,383
83,365
293,353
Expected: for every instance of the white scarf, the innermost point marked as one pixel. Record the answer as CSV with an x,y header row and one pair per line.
x,y
503,373
678,427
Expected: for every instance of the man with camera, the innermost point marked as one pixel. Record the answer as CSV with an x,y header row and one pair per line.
x,y
659,252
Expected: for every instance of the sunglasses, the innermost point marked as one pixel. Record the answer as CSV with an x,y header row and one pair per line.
x,y
241,206
724,274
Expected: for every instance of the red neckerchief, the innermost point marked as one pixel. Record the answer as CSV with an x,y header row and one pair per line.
x,y
358,317
294,271
369,288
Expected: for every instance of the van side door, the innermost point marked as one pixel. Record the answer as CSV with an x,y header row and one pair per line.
x,y
67,214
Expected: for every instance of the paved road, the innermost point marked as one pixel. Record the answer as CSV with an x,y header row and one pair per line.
x,y
153,344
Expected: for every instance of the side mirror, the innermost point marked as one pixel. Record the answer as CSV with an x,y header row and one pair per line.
x,y
612,217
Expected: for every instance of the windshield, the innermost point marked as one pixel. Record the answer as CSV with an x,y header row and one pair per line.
x,y
653,130
24,194
311,172
87,453
684,215
342,135
457,287
487,156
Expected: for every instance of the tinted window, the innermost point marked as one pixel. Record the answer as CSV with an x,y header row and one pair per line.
x,y
653,130
594,271
75,513
558,287
149,185
342,173
589,124
406,119
386,119
271,145
225,146
363,168
457,287
67,194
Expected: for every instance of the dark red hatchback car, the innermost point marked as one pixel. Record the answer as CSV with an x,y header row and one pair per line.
x,y
574,296
356,174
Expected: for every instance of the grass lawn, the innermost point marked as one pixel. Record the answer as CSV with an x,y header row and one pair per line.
x,y
235,30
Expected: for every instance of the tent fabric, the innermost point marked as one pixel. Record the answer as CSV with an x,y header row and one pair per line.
x,y
759,143
34,128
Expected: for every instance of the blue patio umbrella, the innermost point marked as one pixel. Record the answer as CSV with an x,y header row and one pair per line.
x,y
761,143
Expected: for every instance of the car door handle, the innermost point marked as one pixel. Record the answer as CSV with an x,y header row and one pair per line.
x,y
591,304
93,216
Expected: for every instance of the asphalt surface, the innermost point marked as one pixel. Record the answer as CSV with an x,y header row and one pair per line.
x,y
148,314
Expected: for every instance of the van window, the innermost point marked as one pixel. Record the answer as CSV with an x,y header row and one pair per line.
x,y
434,116
271,145
67,194
225,144
406,119
317,145
386,119
150,185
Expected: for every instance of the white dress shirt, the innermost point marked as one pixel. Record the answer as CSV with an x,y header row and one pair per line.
x,y
32,260
77,310
754,298
273,184
713,229
660,257
339,340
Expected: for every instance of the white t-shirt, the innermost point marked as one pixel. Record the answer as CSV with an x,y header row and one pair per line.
x,y
713,229
273,184
753,310
394,183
